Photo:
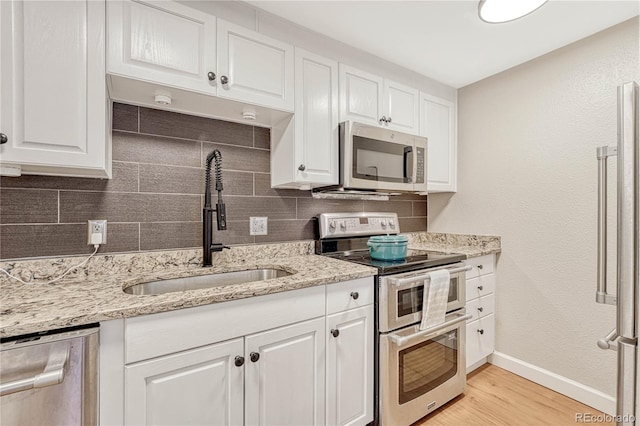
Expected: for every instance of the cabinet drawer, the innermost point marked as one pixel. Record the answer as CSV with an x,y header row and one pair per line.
x,y
481,307
480,339
480,286
482,265
349,295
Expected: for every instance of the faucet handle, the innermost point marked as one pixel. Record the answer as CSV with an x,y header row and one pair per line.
x,y
218,247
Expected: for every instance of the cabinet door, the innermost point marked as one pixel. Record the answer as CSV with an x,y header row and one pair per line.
x,y
54,104
361,96
284,383
258,69
402,106
316,119
196,387
438,124
162,42
480,339
350,367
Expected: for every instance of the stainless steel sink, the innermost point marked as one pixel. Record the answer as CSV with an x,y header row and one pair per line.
x,y
204,281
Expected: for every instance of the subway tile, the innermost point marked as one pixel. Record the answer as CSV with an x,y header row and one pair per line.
x,y
125,179
241,208
413,224
20,241
28,206
402,208
419,208
123,207
125,117
173,235
263,188
234,183
310,207
173,124
262,137
171,179
287,230
237,232
155,150
240,158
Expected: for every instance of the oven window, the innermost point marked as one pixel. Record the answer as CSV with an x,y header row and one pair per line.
x,y
427,365
381,161
410,299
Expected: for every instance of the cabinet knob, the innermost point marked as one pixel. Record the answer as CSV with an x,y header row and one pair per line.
x,y
3,138
224,79
383,119
355,295
302,167
239,361
480,309
335,332
480,287
254,356
481,331
211,75
479,266
388,120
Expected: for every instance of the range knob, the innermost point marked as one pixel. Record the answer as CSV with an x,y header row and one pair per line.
x,y
383,223
332,226
392,224
343,226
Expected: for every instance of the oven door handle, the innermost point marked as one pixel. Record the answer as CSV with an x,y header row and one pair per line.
x,y
430,332
401,281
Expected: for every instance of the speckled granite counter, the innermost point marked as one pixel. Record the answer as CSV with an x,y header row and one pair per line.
x,y
470,245
94,293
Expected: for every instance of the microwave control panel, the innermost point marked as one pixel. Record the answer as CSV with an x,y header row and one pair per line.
x,y
357,224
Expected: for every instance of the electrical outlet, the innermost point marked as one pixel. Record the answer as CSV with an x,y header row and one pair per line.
x,y
97,232
258,226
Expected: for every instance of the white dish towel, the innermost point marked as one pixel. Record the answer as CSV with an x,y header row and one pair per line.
x,y
434,298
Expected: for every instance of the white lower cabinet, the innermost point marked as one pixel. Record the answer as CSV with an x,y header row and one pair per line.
x,y
480,288
350,367
266,360
284,382
197,387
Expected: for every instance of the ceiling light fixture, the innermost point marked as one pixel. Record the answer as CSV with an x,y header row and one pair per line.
x,y
498,11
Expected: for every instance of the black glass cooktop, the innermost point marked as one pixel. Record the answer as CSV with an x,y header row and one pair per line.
x,y
416,259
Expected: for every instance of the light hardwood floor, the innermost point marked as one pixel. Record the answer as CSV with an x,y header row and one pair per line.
x,y
497,397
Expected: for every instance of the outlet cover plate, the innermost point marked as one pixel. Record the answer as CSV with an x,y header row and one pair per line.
x,y
258,225
97,227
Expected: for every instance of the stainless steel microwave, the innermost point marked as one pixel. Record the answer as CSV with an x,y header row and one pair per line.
x,y
377,159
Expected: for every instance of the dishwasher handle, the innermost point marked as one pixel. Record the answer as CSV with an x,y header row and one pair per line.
x,y
53,374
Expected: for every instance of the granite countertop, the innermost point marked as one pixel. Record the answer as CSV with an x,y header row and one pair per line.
x,y
94,292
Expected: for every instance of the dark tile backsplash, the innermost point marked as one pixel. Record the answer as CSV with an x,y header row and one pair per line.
x,y
154,200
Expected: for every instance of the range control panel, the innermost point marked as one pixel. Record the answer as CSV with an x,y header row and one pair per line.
x,y
334,225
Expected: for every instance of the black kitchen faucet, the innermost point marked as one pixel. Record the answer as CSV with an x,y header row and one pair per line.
x,y
208,245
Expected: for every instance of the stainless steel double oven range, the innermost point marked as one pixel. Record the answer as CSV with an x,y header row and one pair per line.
x,y
416,371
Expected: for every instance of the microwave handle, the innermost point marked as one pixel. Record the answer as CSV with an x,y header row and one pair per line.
x,y
401,281
429,333
409,164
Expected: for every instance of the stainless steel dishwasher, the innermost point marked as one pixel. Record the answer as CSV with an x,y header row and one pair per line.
x,y
50,379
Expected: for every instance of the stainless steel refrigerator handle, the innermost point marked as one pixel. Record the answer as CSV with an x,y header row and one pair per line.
x,y
430,332
608,342
402,281
52,374
601,292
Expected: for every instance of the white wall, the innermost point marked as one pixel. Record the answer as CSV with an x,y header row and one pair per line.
x,y
266,23
527,141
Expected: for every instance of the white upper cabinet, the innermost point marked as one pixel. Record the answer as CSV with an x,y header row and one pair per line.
x,y
54,110
438,124
304,150
162,42
253,68
185,56
370,99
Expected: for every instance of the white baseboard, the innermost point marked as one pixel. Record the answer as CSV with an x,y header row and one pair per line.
x,y
574,390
